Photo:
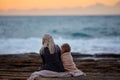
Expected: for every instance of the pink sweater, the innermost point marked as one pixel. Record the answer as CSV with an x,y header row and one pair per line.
x,y
68,63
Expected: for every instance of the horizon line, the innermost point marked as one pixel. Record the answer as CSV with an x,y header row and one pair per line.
x,y
69,15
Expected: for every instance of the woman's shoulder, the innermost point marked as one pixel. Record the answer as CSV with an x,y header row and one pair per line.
x,y
57,47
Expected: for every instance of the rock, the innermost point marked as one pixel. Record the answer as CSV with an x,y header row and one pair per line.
x,y
20,66
110,55
77,54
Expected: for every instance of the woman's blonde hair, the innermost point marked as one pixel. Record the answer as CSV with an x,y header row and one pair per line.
x,y
47,41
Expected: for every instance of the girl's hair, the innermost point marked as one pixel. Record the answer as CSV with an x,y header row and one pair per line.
x,y
47,41
66,47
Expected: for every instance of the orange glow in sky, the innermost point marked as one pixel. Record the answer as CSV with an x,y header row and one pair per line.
x,y
50,4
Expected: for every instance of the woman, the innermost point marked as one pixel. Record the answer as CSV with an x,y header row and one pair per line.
x,y
51,57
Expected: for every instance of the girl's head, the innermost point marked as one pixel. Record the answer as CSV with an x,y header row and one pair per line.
x,y
47,41
65,48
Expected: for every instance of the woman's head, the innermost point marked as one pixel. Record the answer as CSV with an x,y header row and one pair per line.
x,y
47,41
65,48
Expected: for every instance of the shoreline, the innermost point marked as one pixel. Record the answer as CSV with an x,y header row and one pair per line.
x,y
76,55
73,53
20,66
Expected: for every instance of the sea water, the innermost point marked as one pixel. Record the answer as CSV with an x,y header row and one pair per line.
x,y
85,34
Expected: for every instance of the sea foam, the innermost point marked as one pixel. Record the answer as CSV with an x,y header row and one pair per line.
x,y
90,46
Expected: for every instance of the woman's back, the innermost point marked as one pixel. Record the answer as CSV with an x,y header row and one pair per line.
x,y
52,61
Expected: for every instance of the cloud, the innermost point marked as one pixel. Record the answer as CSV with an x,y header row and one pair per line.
x,y
100,9
97,9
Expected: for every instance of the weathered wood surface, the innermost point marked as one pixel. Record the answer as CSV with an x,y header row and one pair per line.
x,y
65,78
90,77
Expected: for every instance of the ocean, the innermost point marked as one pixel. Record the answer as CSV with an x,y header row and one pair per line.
x,y
85,34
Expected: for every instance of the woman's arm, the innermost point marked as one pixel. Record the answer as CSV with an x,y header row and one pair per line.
x,y
59,52
42,58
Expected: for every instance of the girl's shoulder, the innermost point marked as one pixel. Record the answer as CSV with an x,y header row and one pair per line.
x,y
66,54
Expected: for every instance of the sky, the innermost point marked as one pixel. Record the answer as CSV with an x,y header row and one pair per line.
x,y
59,7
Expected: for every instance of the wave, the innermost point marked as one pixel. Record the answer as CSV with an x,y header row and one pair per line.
x,y
72,34
88,32
90,46
80,35
72,27
103,31
85,34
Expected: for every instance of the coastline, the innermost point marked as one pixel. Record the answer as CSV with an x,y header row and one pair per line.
x,y
20,66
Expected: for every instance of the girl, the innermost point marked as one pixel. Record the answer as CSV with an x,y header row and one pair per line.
x,y
68,63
